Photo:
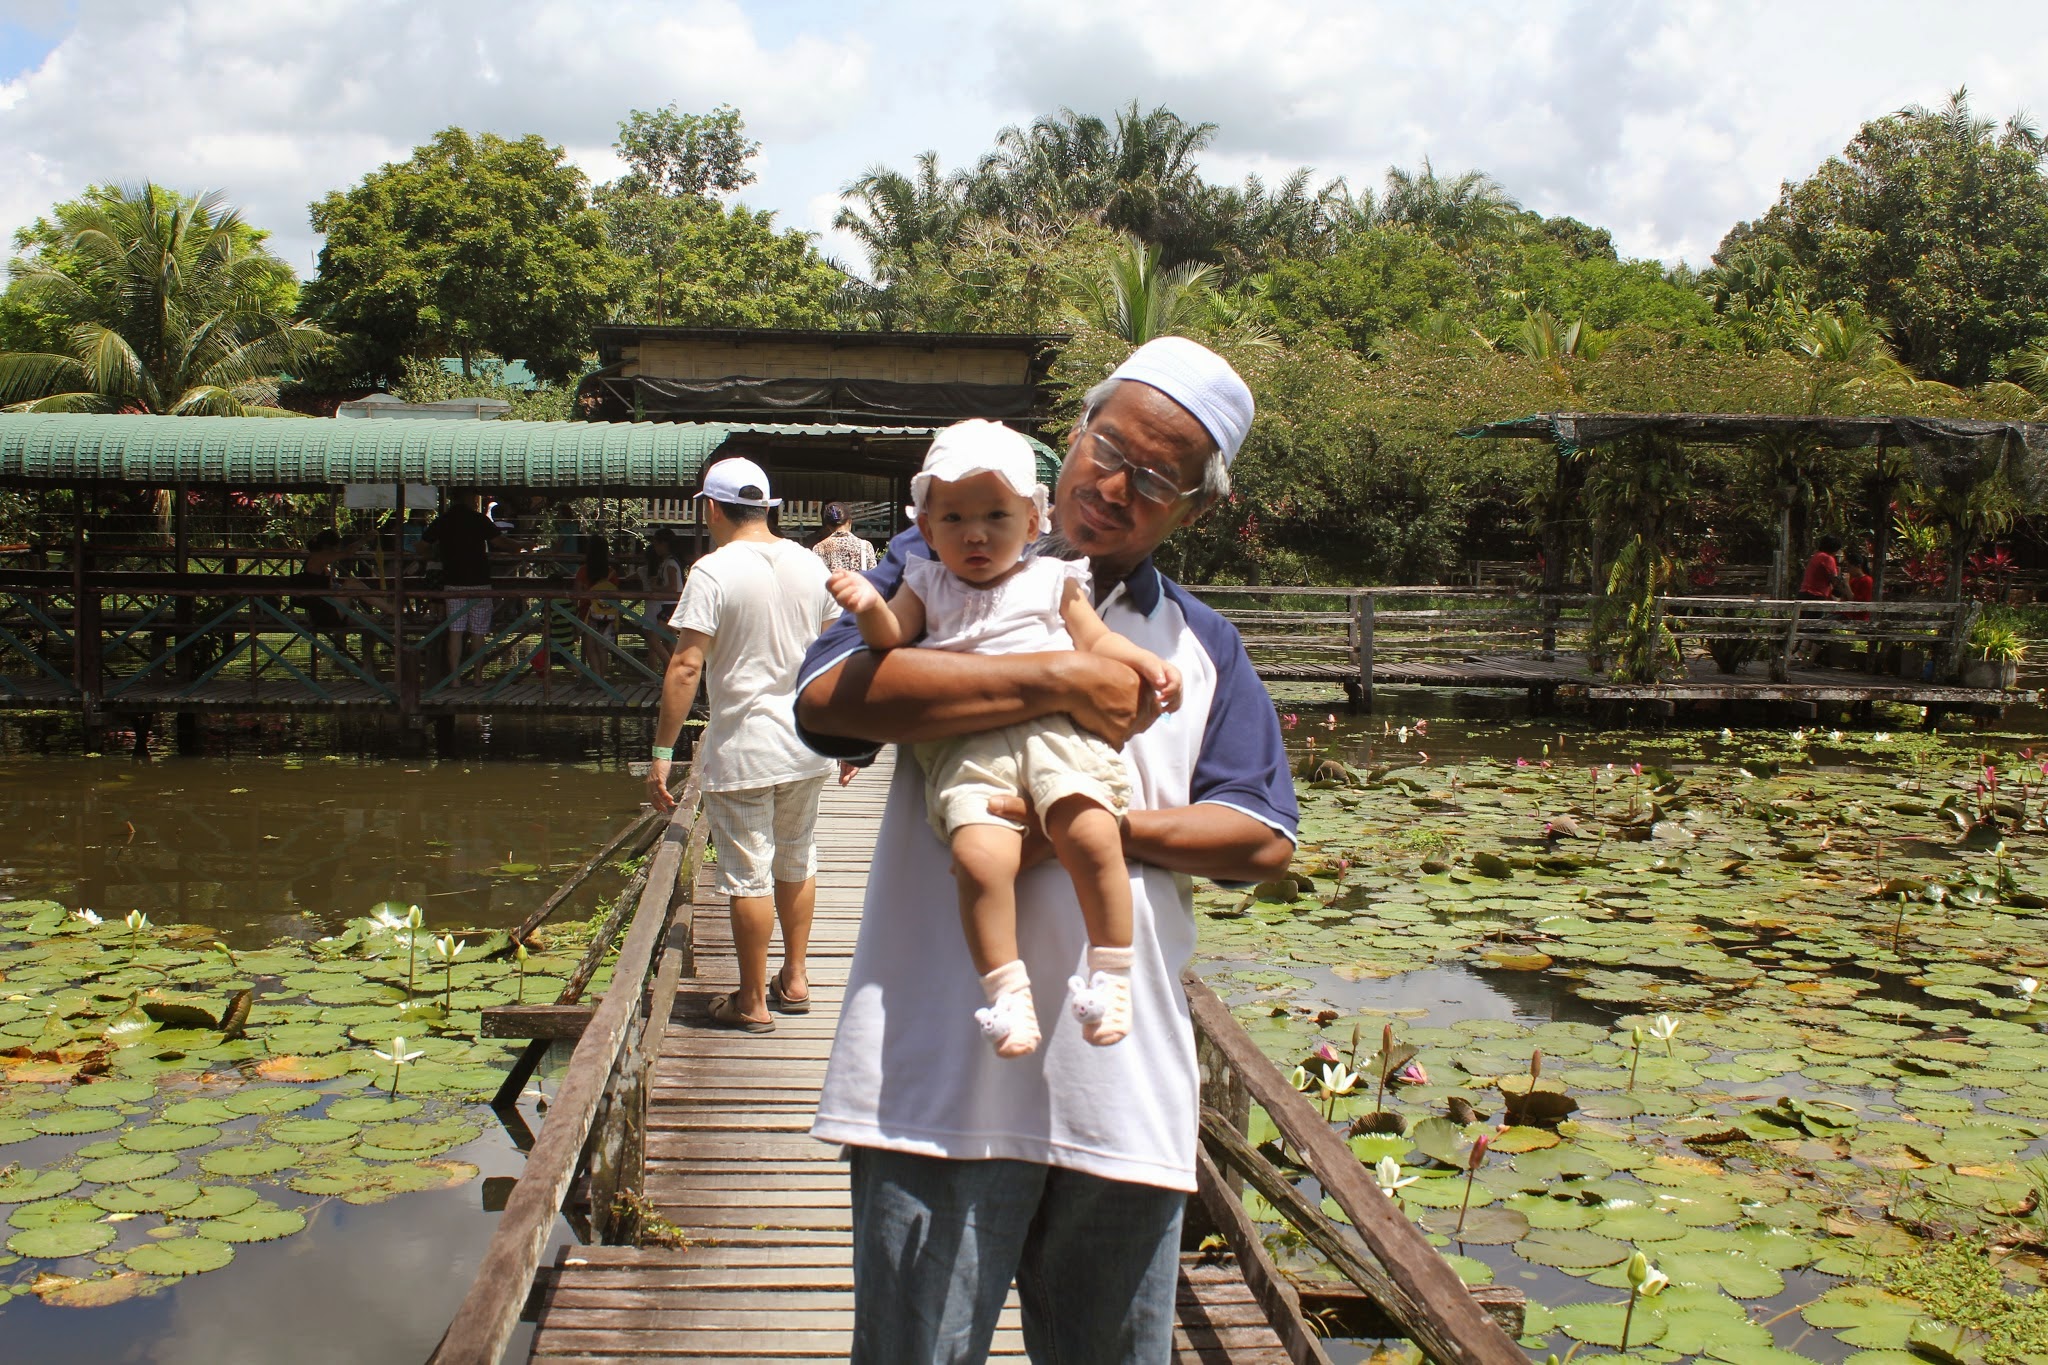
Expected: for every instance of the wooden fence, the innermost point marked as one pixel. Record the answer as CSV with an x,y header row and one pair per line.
x,y
595,1128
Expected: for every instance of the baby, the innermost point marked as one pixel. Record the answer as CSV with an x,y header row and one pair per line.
x,y
981,508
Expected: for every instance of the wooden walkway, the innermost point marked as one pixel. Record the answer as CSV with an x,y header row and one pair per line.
x,y
766,1272
1567,673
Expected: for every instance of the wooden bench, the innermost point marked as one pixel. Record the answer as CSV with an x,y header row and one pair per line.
x,y
1736,630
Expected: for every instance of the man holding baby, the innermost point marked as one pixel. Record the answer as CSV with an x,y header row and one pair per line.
x,y
1063,1165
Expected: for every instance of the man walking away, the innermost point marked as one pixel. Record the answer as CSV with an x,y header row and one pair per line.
x,y
463,538
749,610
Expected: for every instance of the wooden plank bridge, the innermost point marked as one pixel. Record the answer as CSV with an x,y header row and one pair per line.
x,y
721,1231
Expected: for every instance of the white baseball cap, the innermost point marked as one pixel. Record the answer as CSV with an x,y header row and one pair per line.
x,y
731,480
979,446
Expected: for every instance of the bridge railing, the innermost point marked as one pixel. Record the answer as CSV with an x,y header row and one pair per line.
x,y
1404,1287
133,640
596,1127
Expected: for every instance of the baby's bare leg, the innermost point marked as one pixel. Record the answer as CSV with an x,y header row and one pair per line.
x,y
985,864
1090,847
985,859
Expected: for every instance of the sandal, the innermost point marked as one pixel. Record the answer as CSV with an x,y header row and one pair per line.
x,y
781,1002
726,1015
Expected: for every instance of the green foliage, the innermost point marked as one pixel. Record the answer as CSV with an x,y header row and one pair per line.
x,y
149,301
686,258
1933,221
428,381
475,246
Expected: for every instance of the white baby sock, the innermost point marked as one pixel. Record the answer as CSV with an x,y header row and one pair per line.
x,y
1010,1021
1103,1002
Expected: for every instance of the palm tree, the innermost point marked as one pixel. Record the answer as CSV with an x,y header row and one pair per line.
x,y
1455,212
893,214
172,306
1137,301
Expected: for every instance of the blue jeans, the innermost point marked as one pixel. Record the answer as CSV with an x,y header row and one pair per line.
x,y
936,1244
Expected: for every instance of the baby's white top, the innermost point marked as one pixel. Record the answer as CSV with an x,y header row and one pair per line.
x,y
1020,615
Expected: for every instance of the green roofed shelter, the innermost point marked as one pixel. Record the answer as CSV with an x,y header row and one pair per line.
x,y
257,453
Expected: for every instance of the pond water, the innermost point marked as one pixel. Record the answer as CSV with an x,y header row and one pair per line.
x,y
276,833
1775,980
1834,925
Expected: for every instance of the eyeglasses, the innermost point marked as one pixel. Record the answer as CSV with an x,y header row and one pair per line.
x,y
1149,484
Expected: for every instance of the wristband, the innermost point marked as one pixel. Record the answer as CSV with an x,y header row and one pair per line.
x,y
665,752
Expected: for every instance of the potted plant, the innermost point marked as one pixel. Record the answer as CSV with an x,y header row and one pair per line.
x,y
1996,648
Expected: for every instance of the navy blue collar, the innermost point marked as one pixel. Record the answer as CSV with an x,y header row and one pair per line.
x,y
1142,585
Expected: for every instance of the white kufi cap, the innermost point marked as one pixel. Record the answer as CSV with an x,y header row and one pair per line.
x,y
1199,380
979,446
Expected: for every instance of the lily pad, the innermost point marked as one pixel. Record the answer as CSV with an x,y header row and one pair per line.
x,y
180,1256
217,1201
169,1137
127,1166
25,1186
260,1222
74,1121
46,1213
61,1240
146,1196
1600,1324
250,1159
1570,1249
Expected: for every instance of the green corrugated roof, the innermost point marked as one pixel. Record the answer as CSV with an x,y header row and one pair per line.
x,y
257,452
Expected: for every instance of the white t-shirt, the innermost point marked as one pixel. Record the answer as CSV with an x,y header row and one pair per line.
x,y
762,603
1020,615
910,1072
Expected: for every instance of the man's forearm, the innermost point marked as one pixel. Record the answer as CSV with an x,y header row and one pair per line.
x,y
1207,840
678,691
908,696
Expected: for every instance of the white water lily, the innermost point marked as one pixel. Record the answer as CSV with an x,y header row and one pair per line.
x,y
1727,735
2028,985
447,947
385,920
398,1057
1645,1278
1337,1079
1388,1174
88,916
1664,1028
1881,737
1298,1078
137,921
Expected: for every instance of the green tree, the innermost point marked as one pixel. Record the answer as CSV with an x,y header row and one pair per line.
x,y
158,302
1933,222
476,246
686,257
687,155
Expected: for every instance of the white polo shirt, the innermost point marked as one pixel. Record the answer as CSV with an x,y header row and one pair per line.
x,y
910,1070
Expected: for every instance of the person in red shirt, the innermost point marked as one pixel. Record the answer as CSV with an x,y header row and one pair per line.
x,y
1860,585
1823,572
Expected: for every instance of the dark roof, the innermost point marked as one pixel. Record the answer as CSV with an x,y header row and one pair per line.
x,y
612,335
1580,429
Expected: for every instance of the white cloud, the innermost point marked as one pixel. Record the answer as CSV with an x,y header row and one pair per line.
x,y
1664,123
281,102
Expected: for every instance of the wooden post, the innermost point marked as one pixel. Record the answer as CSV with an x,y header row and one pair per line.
x,y
1365,610
1782,665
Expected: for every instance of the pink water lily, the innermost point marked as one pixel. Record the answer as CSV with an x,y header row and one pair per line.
x,y
1412,1074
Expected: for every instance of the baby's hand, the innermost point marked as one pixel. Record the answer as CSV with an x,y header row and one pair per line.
x,y
852,592
1164,680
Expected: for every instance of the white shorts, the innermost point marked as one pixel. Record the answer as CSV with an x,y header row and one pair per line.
x,y
470,614
1044,760
764,835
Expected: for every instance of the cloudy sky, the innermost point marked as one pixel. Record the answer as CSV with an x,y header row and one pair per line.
x,y
1665,123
